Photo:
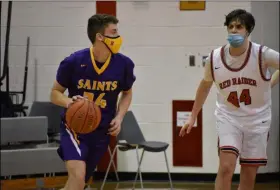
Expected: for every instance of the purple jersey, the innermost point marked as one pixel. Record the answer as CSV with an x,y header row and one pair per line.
x,y
102,83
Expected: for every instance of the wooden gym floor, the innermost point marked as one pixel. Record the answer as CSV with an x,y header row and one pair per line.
x,y
177,186
56,183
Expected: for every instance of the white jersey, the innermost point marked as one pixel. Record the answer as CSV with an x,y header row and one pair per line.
x,y
242,91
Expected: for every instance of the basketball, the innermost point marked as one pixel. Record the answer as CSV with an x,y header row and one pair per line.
x,y
83,116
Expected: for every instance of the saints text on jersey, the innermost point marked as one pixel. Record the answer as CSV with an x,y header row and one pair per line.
x,y
94,85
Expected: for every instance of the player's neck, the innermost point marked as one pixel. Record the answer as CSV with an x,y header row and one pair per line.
x,y
100,54
240,50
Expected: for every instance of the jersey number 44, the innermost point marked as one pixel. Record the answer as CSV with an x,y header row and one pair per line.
x,y
236,98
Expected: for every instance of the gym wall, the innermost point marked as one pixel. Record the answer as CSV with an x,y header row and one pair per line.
x,y
159,38
267,33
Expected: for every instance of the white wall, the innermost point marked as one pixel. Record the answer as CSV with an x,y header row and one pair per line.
x,y
267,33
157,36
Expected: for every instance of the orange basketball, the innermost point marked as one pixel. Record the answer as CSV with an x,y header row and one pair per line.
x,y
83,116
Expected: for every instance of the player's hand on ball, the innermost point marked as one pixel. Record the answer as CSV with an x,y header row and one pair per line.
x,y
73,99
115,128
186,129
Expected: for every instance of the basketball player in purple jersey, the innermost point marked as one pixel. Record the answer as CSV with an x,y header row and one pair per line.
x,y
99,73
240,70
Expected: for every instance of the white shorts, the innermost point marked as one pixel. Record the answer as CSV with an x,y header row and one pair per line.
x,y
247,141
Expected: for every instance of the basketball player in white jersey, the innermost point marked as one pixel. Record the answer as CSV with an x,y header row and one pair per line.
x,y
243,107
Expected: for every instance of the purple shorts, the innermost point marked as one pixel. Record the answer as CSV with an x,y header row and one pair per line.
x,y
87,147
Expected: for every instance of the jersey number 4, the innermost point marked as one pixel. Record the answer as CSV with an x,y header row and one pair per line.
x,y
98,101
244,97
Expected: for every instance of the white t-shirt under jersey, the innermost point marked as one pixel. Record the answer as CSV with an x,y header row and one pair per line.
x,y
250,70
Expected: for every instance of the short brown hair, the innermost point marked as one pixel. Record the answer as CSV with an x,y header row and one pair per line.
x,y
244,17
97,24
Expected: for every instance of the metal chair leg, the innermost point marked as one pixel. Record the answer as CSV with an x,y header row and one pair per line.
x,y
169,175
111,160
115,168
138,170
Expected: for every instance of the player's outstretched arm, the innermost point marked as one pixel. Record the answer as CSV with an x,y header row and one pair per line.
x,y
203,89
58,97
201,95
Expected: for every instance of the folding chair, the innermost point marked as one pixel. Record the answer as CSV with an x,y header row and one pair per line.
x,y
131,137
52,112
24,143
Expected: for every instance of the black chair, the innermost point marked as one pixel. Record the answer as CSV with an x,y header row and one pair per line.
x,y
132,138
52,112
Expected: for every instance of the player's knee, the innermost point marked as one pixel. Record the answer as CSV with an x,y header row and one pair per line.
x,y
227,163
76,171
227,168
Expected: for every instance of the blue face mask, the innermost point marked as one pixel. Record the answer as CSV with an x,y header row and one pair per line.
x,y
235,40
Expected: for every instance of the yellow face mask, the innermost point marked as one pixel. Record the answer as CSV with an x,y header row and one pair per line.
x,y
113,43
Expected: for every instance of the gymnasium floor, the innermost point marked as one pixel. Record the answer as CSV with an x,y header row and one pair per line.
x,y
177,186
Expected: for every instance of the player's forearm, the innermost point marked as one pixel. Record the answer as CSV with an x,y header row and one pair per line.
x,y
60,99
124,103
274,79
201,95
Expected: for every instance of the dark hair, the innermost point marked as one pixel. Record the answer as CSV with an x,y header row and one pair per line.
x,y
242,16
97,24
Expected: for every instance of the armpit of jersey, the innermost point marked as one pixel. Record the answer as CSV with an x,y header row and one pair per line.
x,y
271,57
63,75
129,75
